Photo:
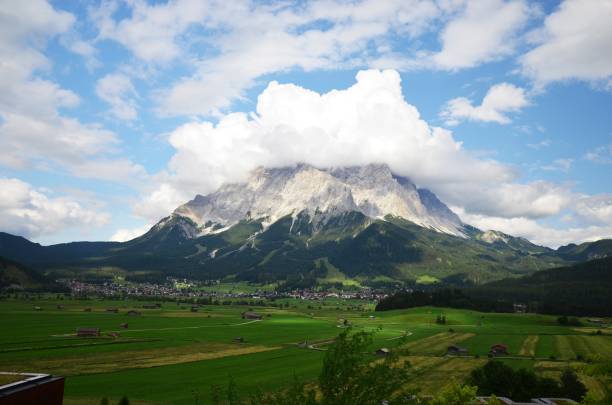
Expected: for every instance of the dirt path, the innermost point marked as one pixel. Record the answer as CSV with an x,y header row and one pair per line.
x,y
125,331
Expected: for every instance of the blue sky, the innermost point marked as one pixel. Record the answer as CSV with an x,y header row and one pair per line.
x,y
112,113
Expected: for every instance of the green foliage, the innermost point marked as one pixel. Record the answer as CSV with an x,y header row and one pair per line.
x,y
591,399
520,385
231,396
452,298
104,401
493,400
582,289
124,401
455,395
569,321
20,277
347,379
571,386
298,393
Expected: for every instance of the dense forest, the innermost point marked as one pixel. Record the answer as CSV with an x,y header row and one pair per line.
x,y
581,290
451,298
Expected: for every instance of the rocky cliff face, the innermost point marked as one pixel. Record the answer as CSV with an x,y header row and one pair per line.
x,y
319,194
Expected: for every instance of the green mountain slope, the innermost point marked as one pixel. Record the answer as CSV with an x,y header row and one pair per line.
x,y
581,289
14,276
351,246
587,251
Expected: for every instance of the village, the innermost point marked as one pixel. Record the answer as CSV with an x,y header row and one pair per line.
x,y
186,289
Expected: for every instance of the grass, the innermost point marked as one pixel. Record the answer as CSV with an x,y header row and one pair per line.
x,y
435,373
436,344
171,355
427,280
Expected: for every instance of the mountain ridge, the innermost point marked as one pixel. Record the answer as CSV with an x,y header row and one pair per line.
x,y
270,194
297,224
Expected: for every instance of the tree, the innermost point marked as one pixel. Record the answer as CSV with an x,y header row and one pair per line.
x,y
455,395
494,401
232,392
297,394
348,378
521,385
571,386
124,401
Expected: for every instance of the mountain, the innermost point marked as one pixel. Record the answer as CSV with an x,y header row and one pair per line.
x,y
319,194
15,276
303,226
587,251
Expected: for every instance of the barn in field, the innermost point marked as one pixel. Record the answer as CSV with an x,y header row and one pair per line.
x,y
88,332
455,350
133,313
251,315
382,352
498,349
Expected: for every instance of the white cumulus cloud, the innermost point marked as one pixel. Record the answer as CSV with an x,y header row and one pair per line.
x,y
538,233
125,234
574,43
501,99
485,30
29,212
367,122
34,131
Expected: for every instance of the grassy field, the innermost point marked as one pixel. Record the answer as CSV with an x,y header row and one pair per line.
x,y
171,355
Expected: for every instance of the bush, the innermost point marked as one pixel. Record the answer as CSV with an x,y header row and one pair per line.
x,y
571,386
520,385
124,401
455,395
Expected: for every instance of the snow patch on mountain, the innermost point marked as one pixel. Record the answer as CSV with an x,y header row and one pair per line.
x,y
493,236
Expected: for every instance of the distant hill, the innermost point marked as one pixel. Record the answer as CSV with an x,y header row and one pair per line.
x,y
586,251
581,289
15,276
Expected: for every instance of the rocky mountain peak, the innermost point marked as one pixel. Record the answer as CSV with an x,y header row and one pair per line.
x,y
272,193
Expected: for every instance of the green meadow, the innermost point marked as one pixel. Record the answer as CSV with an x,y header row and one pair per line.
x,y
171,355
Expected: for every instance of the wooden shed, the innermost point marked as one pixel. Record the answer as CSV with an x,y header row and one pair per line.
x,y
88,332
251,315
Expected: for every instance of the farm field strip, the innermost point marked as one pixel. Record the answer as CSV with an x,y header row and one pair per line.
x,y
178,328
529,346
436,344
74,345
95,363
440,372
570,346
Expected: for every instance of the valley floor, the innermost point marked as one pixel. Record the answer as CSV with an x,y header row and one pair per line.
x,y
171,355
